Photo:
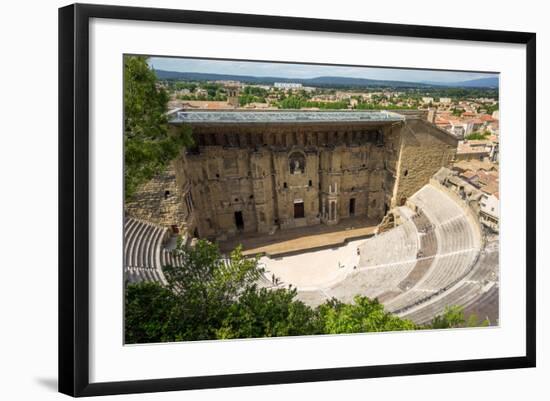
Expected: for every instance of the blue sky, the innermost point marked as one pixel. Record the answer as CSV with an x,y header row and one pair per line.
x,y
308,71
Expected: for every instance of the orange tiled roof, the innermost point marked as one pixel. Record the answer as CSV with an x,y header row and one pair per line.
x,y
491,188
469,174
486,117
475,165
207,104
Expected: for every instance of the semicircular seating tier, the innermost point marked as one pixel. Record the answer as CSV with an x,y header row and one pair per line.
x,y
435,258
145,254
143,251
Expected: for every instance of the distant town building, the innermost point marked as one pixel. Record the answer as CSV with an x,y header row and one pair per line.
x,y
485,204
232,95
476,149
427,100
201,92
463,166
232,83
486,100
287,85
200,105
257,105
445,100
460,128
489,211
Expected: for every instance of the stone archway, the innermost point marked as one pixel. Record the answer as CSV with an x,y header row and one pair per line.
x,y
297,163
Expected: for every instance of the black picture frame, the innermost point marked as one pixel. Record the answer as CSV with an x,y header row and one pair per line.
x,y
74,198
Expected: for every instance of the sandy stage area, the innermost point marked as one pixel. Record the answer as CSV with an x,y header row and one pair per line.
x,y
315,269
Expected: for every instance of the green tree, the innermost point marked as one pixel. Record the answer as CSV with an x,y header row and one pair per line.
x,y
491,108
148,311
206,285
453,316
148,146
268,313
255,91
297,102
473,321
478,135
364,315
247,98
209,297
291,102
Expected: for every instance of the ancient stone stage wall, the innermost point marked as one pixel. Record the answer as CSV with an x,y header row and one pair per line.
x,y
261,177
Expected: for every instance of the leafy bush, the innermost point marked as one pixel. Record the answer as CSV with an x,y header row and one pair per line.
x,y
148,146
207,298
478,135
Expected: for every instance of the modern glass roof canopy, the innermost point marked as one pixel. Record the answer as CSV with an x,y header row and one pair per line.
x,y
300,116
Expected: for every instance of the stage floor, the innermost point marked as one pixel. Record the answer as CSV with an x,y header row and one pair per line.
x,y
304,239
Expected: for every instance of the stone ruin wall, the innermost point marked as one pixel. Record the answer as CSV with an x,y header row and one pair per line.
x,y
166,200
425,149
151,204
248,170
245,169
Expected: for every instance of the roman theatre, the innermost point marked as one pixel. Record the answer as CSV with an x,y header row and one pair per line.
x,y
336,203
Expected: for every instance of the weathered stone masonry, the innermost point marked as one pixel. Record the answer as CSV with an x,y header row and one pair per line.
x,y
262,171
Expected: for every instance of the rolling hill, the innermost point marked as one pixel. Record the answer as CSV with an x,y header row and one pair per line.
x,y
324,81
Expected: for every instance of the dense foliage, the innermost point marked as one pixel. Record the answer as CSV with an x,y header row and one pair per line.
x,y
248,98
478,135
149,313
364,315
491,108
454,317
210,298
299,102
253,94
148,146
268,313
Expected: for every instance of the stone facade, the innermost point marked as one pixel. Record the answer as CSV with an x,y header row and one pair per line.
x,y
166,200
425,149
245,177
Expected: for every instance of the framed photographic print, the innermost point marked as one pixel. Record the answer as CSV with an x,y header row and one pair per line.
x,y
251,199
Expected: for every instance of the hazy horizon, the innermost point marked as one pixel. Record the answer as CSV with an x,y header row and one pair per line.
x,y
307,71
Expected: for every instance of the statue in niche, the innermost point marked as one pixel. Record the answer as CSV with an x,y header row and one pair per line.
x,y
297,169
297,163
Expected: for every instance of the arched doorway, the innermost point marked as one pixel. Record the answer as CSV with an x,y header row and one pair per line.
x,y
239,221
352,207
299,211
